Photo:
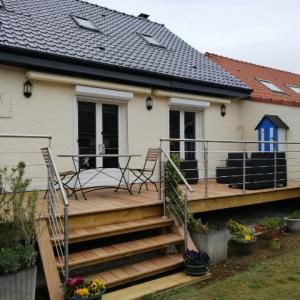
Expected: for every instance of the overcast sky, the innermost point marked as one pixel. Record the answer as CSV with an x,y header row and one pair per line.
x,y
260,31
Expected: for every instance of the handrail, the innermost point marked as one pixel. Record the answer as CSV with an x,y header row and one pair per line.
x,y
229,141
177,170
59,182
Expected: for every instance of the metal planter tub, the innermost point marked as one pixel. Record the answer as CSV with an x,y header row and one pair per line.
x,y
19,285
293,225
214,243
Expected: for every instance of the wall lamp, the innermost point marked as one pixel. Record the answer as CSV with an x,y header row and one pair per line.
x,y
223,110
149,103
27,89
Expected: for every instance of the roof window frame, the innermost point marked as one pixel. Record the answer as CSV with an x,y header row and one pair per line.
x,y
77,19
146,36
293,87
277,90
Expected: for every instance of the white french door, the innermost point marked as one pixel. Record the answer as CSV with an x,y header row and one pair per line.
x,y
99,130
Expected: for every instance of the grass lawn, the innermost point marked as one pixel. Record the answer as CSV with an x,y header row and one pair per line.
x,y
272,279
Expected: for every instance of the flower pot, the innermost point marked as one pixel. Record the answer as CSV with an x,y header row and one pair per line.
x,y
293,225
275,244
98,297
214,243
196,270
19,285
245,248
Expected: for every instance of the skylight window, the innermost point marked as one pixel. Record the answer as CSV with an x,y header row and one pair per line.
x,y
85,23
271,86
151,40
294,88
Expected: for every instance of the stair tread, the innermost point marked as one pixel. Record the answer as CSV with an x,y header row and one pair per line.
x,y
116,228
139,270
121,250
155,286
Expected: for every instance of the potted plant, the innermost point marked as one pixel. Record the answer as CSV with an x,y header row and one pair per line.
x,y
17,235
271,228
196,262
293,221
77,288
242,237
213,241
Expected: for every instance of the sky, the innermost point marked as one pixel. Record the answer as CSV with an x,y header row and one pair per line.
x,y
264,32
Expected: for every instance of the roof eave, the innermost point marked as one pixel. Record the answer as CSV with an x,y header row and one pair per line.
x,y
83,68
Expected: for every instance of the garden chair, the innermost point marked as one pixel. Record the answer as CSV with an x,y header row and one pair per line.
x,y
66,177
144,175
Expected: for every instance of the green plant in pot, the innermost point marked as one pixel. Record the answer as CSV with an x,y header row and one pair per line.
x,y
271,228
293,221
18,212
212,240
78,288
242,237
196,262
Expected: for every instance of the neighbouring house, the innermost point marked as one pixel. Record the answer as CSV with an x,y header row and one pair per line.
x,y
274,105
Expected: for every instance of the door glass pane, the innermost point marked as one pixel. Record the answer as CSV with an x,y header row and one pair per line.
x,y
110,133
174,120
87,133
190,133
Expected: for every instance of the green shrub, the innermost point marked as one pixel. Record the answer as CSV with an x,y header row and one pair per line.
x,y
295,214
196,225
273,223
17,257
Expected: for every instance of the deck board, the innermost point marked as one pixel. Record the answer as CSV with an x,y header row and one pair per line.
x,y
108,200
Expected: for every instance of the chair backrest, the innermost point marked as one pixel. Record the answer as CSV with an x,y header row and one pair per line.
x,y
45,153
152,157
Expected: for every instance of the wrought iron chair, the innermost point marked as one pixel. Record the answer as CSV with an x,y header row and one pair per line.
x,y
66,177
144,175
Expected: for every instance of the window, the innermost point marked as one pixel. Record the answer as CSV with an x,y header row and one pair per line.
x,y
151,40
294,88
271,86
85,23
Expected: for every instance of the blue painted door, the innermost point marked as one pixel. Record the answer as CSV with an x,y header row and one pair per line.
x,y
267,133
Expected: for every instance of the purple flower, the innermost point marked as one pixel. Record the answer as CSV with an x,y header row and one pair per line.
x,y
73,282
196,257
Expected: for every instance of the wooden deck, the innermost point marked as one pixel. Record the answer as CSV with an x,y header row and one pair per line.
x,y
220,196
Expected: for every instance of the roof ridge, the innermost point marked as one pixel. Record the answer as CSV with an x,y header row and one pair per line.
x,y
119,12
208,54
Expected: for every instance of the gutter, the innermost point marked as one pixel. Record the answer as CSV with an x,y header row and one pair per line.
x,y
50,63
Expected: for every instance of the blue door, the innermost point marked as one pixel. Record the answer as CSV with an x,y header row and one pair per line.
x,y
267,133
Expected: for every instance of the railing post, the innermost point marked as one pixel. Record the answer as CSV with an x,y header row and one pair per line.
x,y
275,168
244,166
185,198
66,242
206,169
159,173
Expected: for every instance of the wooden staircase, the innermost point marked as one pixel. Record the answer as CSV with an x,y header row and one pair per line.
x,y
121,247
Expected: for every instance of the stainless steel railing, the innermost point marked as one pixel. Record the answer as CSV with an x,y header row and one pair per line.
x,y
250,168
58,206
173,189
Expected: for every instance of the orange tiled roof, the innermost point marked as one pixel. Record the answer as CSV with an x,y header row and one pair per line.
x,y
250,73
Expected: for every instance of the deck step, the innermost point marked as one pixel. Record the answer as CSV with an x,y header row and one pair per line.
x,y
116,251
155,286
97,232
129,273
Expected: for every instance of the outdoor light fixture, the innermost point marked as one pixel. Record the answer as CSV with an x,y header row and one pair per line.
x,y
149,103
27,89
223,110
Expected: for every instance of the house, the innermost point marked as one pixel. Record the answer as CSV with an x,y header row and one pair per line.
x,y
275,97
90,71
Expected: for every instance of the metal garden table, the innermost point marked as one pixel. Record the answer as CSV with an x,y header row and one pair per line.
x,y
99,170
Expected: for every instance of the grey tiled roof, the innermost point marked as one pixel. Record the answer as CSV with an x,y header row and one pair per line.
x,y
47,26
